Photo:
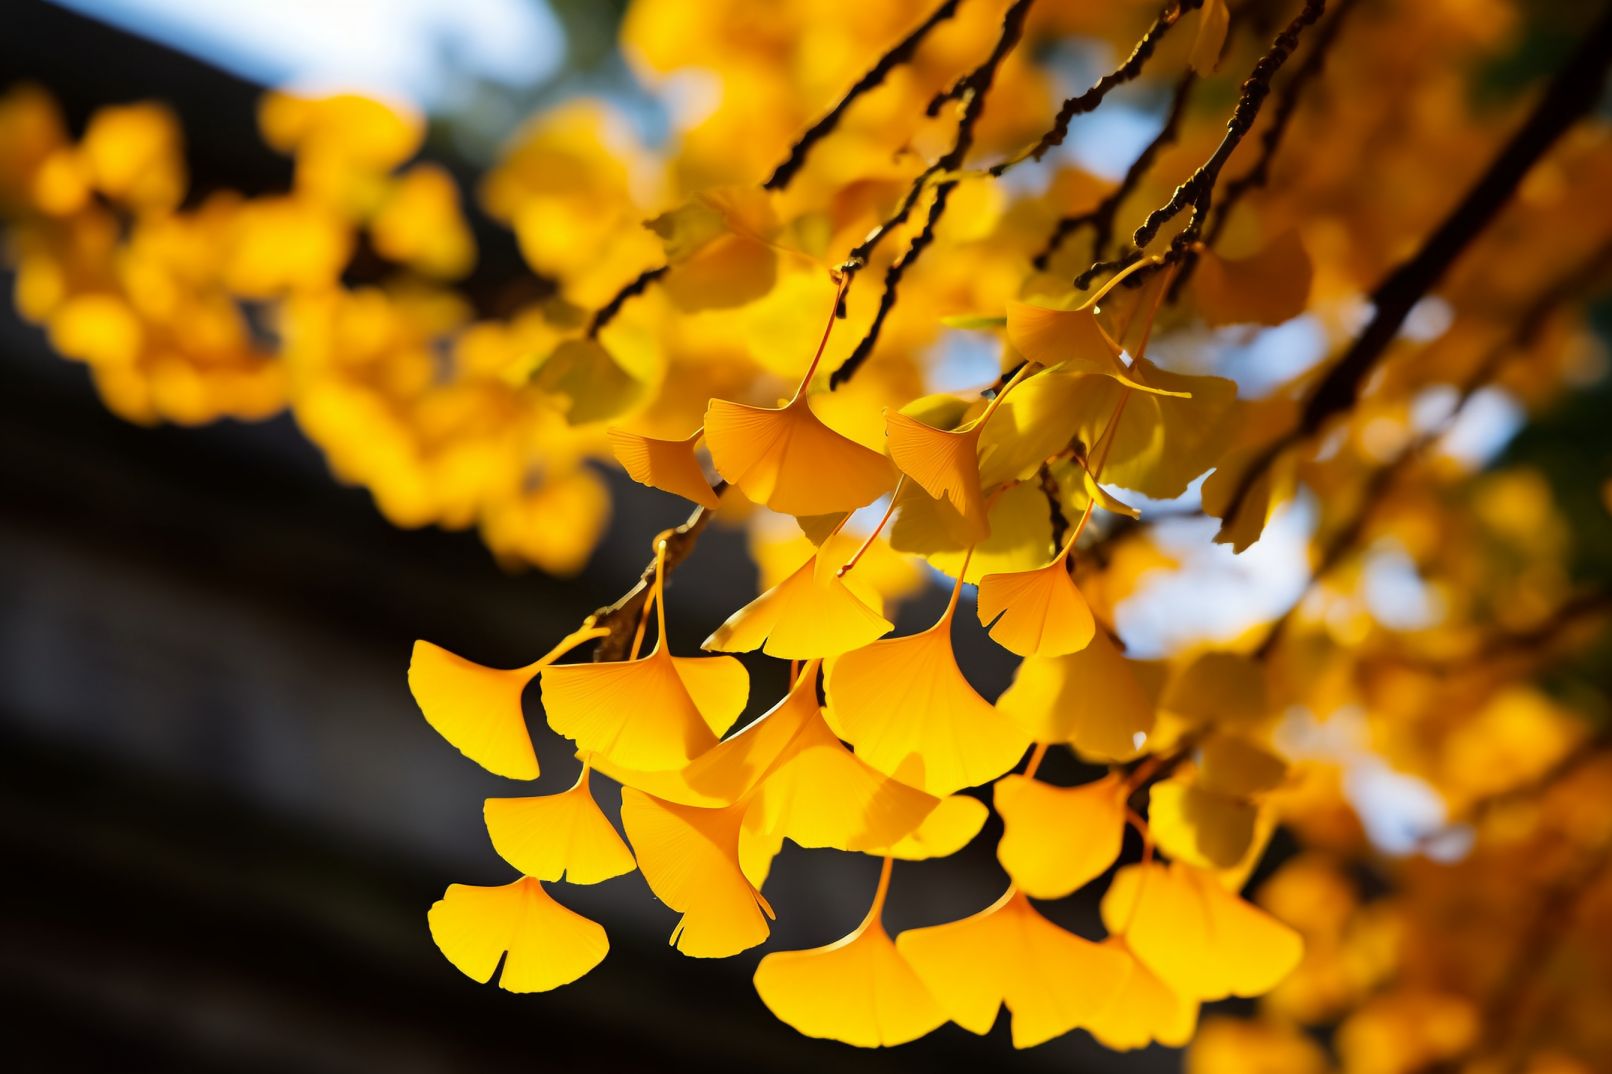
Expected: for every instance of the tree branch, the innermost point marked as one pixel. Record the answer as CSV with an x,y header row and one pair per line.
x,y
902,52
621,618
1571,95
1198,190
1101,218
1088,101
631,289
976,86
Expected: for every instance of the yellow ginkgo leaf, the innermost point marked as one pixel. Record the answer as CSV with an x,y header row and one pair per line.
x,y
823,795
857,990
789,460
557,836
1095,699
1019,519
1071,341
1051,981
906,708
690,858
547,945
1217,686
587,383
1145,1010
635,713
1213,21
1232,764
1036,613
1200,826
476,708
813,613
668,465
1269,287
1057,839
1201,940
719,686
948,828
944,464
732,768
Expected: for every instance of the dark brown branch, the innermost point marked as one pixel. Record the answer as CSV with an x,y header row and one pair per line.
x,y
977,85
1270,138
1101,218
899,54
1088,101
1525,330
621,618
1197,192
1571,95
1282,113
892,281
631,289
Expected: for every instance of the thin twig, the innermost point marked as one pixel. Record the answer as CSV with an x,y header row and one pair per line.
x,y
1270,138
1100,218
1571,95
632,288
902,52
1088,101
1197,192
977,88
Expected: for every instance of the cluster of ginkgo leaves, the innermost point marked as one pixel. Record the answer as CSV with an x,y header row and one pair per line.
x,y
764,317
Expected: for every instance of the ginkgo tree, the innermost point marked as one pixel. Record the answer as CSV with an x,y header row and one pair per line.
x,y
753,318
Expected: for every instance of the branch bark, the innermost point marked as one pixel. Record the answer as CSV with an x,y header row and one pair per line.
x,y
1572,94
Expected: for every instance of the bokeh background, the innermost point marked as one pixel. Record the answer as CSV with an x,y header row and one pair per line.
x,y
221,816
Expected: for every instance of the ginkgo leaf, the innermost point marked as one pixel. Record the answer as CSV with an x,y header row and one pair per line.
x,y
1157,447
636,713
787,459
547,945
719,686
557,836
1072,341
1232,764
1095,699
1036,613
1091,490
1217,686
732,768
668,465
717,244
1200,826
1213,21
1020,523
476,708
587,382
1057,839
813,613
945,464
1262,425
857,990
1198,938
948,828
1051,981
906,708
690,858
1145,1010
823,795
1269,287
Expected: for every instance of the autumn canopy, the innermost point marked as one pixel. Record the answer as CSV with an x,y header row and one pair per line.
x,y
1017,327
